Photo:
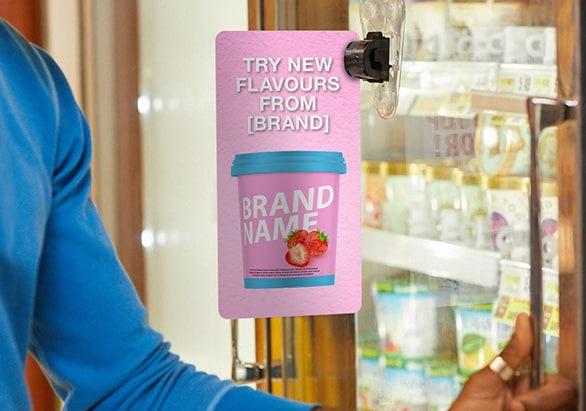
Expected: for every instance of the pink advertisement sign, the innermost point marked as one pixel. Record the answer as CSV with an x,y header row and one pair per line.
x,y
288,169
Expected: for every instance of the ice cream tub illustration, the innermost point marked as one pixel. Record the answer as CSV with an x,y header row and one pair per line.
x,y
288,204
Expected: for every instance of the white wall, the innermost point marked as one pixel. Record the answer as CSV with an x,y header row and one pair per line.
x,y
63,37
178,117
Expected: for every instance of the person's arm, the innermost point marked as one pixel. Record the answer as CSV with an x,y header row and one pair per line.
x,y
90,331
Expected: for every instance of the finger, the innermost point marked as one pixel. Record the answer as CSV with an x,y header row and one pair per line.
x,y
519,348
549,397
522,385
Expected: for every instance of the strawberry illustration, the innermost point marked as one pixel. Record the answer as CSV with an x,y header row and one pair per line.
x,y
295,237
298,255
317,242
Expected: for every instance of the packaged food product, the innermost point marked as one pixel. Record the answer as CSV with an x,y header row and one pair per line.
x,y
387,312
441,384
373,196
407,318
476,336
488,44
425,28
404,384
508,212
513,299
417,336
444,201
460,42
530,45
473,203
405,198
446,331
445,290
370,378
502,144
475,28
397,184
549,224
547,151
288,203
551,354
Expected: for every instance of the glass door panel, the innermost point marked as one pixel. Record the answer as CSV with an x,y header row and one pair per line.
x,y
446,211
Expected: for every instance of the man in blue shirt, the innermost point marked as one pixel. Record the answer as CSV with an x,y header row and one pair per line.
x,y
63,293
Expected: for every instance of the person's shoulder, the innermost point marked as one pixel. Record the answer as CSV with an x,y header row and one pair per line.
x,y
21,59
32,90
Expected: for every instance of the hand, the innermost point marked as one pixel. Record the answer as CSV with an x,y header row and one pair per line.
x,y
486,391
556,394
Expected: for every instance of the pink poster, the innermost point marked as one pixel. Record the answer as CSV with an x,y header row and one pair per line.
x,y
288,169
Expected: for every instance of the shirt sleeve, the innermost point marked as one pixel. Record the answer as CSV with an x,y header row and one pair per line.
x,y
90,331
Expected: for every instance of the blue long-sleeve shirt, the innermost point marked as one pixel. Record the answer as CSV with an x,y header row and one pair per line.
x,y
63,293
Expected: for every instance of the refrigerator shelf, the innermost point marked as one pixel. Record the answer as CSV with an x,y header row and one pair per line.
x,y
463,76
431,257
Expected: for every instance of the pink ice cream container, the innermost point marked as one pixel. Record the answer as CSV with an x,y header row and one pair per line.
x,y
288,203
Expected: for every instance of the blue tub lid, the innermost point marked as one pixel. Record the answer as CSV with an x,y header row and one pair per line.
x,y
289,162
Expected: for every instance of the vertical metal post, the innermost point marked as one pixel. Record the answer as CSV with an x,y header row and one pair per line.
x,y
235,357
536,276
261,14
285,355
269,356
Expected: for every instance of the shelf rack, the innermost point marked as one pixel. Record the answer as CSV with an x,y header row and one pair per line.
x,y
431,257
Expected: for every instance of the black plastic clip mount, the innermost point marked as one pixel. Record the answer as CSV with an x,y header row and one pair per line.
x,y
368,59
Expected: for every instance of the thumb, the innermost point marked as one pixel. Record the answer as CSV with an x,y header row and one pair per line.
x,y
519,348
552,396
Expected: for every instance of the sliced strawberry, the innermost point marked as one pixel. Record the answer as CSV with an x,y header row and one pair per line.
x,y
295,237
298,255
317,242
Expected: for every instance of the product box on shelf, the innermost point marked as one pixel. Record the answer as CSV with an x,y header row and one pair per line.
x,y
407,318
373,194
547,152
530,45
425,28
508,212
404,384
513,295
549,223
513,299
370,377
441,384
474,230
488,44
476,335
502,144
475,29
405,210
443,194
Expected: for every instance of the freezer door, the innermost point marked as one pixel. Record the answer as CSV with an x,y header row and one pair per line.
x,y
484,110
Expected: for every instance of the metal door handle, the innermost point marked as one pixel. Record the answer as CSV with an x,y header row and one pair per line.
x,y
243,372
539,120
